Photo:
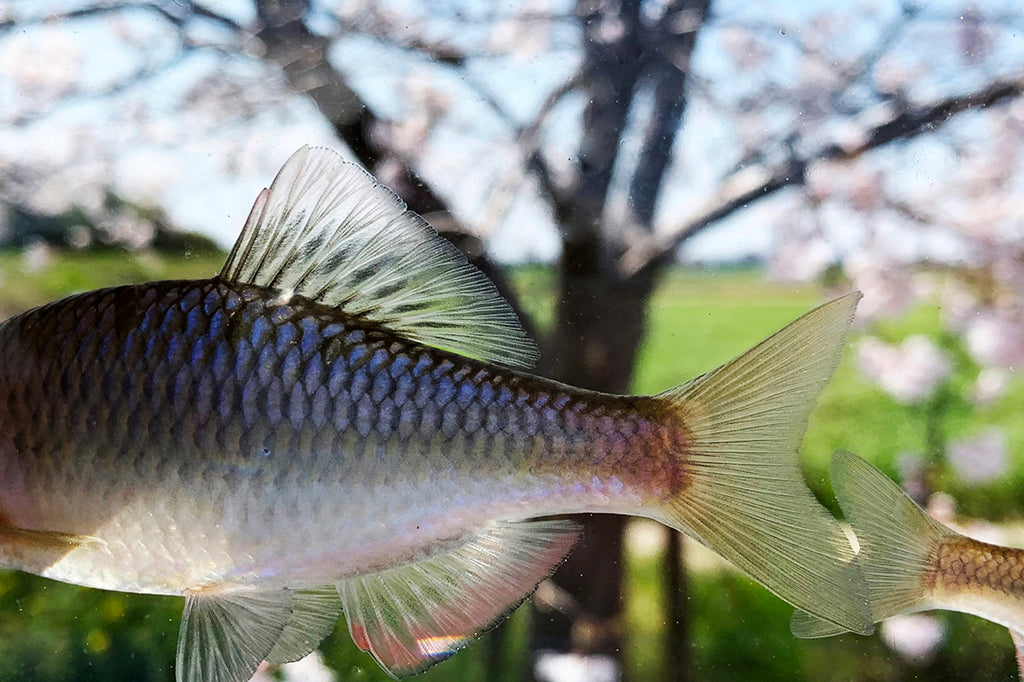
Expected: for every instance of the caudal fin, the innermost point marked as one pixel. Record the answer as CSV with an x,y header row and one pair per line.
x,y
896,537
745,496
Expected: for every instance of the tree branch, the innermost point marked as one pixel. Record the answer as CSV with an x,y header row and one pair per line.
x,y
925,119
177,13
742,190
303,57
527,140
376,24
379,26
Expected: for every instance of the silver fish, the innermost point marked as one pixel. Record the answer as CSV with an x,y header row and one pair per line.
x,y
339,421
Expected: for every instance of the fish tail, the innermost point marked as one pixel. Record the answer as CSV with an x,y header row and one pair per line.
x,y
897,539
743,493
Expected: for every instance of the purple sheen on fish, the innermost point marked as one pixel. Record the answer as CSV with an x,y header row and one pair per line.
x,y
340,422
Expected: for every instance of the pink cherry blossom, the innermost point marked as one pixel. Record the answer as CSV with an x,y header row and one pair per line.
x,y
36,256
308,669
910,372
799,260
981,458
886,284
989,386
552,666
916,637
44,63
957,305
996,338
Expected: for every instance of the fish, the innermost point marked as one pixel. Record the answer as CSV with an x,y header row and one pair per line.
x,y
912,563
342,422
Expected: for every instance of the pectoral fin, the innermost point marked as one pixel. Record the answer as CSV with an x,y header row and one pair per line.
x,y
415,615
226,635
37,550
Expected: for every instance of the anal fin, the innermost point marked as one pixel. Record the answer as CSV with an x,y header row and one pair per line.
x,y
225,635
315,612
417,614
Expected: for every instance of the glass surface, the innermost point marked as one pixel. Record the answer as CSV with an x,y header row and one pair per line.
x,y
656,186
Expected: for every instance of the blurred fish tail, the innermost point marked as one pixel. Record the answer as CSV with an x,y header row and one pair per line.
x,y
744,495
898,542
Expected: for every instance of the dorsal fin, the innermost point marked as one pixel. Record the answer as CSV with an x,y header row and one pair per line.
x,y
328,231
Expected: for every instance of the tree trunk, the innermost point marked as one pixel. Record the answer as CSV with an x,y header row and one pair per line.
x,y
677,634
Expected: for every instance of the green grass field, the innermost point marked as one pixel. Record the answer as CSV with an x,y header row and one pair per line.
x,y
739,631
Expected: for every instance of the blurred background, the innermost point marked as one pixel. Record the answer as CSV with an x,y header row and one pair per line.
x,y
655,184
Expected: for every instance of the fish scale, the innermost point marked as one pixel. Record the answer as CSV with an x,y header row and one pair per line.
x,y
341,420
963,563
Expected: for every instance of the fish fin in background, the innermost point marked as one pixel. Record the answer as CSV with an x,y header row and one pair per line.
x,y
412,616
744,495
226,635
896,539
315,612
328,231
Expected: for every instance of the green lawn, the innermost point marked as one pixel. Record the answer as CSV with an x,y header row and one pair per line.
x,y
739,631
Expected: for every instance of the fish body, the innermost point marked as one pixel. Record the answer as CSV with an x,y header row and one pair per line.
x,y
980,578
340,422
167,410
912,562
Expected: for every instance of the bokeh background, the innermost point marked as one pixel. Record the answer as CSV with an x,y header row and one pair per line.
x,y
655,184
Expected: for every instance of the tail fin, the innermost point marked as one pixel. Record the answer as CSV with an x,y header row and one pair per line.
x,y
897,540
746,497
